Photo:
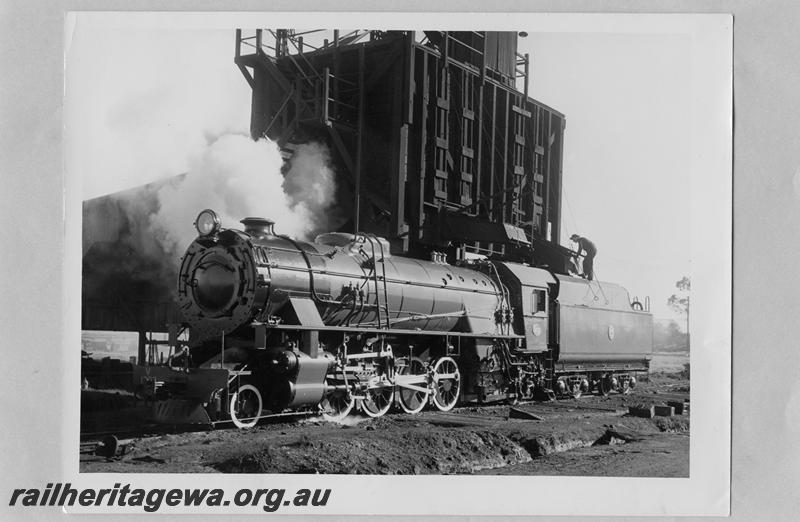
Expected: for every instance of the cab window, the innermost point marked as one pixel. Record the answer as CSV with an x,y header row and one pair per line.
x,y
539,301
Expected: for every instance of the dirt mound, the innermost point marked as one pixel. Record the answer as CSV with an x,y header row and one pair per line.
x,y
417,451
540,445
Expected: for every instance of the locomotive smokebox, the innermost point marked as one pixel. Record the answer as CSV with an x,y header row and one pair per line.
x,y
215,283
258,227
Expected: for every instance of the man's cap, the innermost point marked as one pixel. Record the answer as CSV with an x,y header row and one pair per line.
x,y
575,237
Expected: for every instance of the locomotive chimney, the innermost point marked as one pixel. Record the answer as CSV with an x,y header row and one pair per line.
x,y
258,227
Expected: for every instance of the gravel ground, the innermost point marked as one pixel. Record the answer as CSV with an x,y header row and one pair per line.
x,y
590,436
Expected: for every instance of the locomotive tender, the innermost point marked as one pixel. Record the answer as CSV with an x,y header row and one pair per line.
x,y
278,324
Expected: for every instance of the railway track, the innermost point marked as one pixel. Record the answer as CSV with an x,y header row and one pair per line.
x,y
115,441
111,442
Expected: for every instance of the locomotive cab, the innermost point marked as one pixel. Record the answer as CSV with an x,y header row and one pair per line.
x,y
529,290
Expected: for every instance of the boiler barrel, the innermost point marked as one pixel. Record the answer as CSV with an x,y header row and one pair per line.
x,y
230,280
347,283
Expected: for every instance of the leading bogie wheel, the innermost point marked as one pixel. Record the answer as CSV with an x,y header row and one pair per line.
x,y
245,406
410,400
446,384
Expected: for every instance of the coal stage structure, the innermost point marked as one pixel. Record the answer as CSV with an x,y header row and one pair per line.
x,y
436,142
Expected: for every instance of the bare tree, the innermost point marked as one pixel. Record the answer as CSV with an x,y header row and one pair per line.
x,y
680,301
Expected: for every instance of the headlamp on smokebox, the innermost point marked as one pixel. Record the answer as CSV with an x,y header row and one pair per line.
x,y
207,223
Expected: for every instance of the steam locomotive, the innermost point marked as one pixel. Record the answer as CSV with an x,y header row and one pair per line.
x,y
281,325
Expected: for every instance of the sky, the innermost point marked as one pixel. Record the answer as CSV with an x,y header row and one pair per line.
x,y
626,172
143,103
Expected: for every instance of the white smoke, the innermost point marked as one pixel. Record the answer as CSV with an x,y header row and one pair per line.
x,y
309,183
237,178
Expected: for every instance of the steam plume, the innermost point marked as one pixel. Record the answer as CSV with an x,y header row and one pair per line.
x,y
146,230
238,177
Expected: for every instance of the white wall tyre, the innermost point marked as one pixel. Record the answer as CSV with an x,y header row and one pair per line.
x,y
378,400
337,405
446,384
245,406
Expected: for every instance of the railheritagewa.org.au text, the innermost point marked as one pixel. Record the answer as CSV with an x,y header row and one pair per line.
x,y
153,499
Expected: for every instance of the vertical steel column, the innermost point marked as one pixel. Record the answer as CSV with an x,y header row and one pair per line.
x,y
238,44
446,51
142,354
479,124
557,217
446,93
359,139
527,70
410,86
337,70
443,128
423,144
506,113
478,161
492,156
465,143
298,115
546,175
326,95
399,133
